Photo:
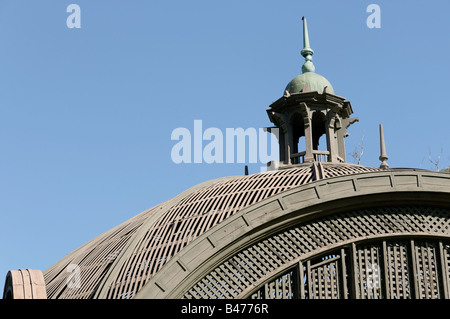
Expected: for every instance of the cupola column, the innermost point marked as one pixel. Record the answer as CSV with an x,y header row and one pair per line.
x,y
309,156
289,144
332,146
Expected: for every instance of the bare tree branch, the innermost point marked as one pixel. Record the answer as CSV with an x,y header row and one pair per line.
x,y
358,152
435,163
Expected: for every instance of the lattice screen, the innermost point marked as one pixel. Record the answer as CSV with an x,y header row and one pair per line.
x,y
426,269
444,250
326,277
383,269
280,288
323,278
367,261
398,274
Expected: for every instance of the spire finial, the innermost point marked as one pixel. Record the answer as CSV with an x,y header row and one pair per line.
x,y
383,156
307,52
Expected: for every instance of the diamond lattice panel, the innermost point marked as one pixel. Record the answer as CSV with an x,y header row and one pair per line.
x,y
308,237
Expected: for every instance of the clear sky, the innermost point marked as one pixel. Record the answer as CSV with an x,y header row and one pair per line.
x,y
87,113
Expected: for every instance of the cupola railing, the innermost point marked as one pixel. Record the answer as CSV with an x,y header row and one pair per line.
x,y
319,156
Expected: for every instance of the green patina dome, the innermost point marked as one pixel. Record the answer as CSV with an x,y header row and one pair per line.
x,y
311,81
308,81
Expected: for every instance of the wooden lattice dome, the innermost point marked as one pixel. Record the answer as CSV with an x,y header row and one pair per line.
x,y
119,262
310,231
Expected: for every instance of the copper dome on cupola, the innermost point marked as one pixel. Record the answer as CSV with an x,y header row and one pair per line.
x,y
308,80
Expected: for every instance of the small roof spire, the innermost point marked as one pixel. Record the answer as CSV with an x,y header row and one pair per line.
x,y
307,52
383,156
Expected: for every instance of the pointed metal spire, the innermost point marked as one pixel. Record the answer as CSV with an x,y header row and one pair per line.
x,y
383,156
307,52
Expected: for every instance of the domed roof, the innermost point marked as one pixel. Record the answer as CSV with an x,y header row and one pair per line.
x,y
307,82
119,262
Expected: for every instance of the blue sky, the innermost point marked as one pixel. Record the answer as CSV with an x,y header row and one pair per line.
x,y
86,114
